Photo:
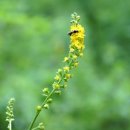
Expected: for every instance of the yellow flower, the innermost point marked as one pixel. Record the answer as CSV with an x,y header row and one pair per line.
x,y
77,37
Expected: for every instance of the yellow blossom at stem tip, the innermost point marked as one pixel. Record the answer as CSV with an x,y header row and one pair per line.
x,y
77,39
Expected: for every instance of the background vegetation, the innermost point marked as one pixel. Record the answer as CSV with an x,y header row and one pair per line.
x,y
33,42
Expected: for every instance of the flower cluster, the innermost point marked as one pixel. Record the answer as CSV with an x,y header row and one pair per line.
x,y
71,61
9,113
76,49
77,39
62,76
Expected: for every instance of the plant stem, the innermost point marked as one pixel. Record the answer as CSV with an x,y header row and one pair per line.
x,y
44,102
10,125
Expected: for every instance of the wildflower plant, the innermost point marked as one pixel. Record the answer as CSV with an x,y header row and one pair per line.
x,y
9,113
63,75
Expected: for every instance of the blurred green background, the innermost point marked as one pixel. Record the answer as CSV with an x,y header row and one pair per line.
x,y
34,41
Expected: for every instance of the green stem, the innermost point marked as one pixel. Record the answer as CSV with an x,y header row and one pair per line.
x,y
10,125
38,112
35,128
44,102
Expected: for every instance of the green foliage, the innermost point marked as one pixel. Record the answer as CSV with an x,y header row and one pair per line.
x,y
33,37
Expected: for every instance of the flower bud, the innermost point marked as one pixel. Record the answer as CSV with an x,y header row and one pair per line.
x,y
46,106
57,77
68,76
49,100
41,126
66,59
78,17
38,108
56,86
66,68
45,90
71,50
64,86
58,92
74,57
76,64
59,71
